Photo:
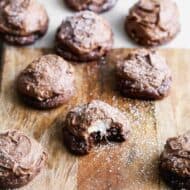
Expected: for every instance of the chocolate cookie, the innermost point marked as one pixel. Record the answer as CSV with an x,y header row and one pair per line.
x,y
175,162
22,22
143,74
21,159
152,22
47,82
84,37
97,6
90,124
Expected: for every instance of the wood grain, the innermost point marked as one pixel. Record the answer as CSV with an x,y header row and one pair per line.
x,y
128,166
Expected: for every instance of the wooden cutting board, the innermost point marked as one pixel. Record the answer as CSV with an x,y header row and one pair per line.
x,y
128,166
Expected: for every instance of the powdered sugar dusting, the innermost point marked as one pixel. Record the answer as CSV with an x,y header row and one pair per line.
x,y
130,164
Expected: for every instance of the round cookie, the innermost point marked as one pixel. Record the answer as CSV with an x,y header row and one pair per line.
x,y
90,124
22,22
175,162
47,82
21,159
153,22
97,6
143,74
84,37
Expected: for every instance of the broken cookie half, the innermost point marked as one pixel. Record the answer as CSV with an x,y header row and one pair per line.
x,y
90,124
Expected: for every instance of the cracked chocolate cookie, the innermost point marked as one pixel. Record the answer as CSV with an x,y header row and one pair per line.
x,y
21,159
94,123
143,74
84,37
153,22
175,162
47,82
22,22
97,6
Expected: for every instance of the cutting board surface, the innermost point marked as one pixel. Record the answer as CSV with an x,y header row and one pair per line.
x,y
128,166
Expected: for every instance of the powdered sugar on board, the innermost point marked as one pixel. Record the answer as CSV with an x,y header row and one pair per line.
x,y
134,161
